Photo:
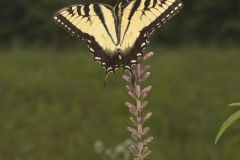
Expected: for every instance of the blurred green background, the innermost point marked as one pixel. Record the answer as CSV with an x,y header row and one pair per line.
x,y
53,105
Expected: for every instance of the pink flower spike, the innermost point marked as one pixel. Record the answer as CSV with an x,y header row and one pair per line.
x,y
145,69
138,132
144,104
127,78
145,76
129,88
148,56
146,90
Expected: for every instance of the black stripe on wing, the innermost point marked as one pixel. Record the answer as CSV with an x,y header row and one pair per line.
x,y
167,15
146,4
161,20
136,53
99,12
135,7
108,63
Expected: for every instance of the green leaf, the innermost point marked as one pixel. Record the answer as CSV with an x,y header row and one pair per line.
x,y
233,118
234,105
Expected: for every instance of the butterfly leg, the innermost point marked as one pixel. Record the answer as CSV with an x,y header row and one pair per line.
x,y
105,82
133,80
111,64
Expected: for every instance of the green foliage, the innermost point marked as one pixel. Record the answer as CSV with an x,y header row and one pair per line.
x,y
235,105
53,104
233,118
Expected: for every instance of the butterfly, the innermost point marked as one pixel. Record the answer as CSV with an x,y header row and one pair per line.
x,y
116,36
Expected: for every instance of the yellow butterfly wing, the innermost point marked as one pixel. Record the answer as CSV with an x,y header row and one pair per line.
x,y
125,28
139,20
94,23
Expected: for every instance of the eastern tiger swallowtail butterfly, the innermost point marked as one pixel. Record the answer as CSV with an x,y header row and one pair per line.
x,y
116,36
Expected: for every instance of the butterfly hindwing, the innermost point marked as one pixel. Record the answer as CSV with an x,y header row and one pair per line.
x,y
116,36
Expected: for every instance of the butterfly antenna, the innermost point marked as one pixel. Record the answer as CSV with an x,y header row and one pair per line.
x,y
105,80
105,84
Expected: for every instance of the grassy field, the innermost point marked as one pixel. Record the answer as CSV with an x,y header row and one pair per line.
x,y
53,105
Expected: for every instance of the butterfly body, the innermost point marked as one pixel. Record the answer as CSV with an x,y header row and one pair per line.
x,y
116,36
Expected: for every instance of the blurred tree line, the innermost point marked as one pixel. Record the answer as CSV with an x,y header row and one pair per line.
x,y
201,21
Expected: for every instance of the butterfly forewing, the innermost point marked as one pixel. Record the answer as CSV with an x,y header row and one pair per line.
x,y
117,36
139,19
94,23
